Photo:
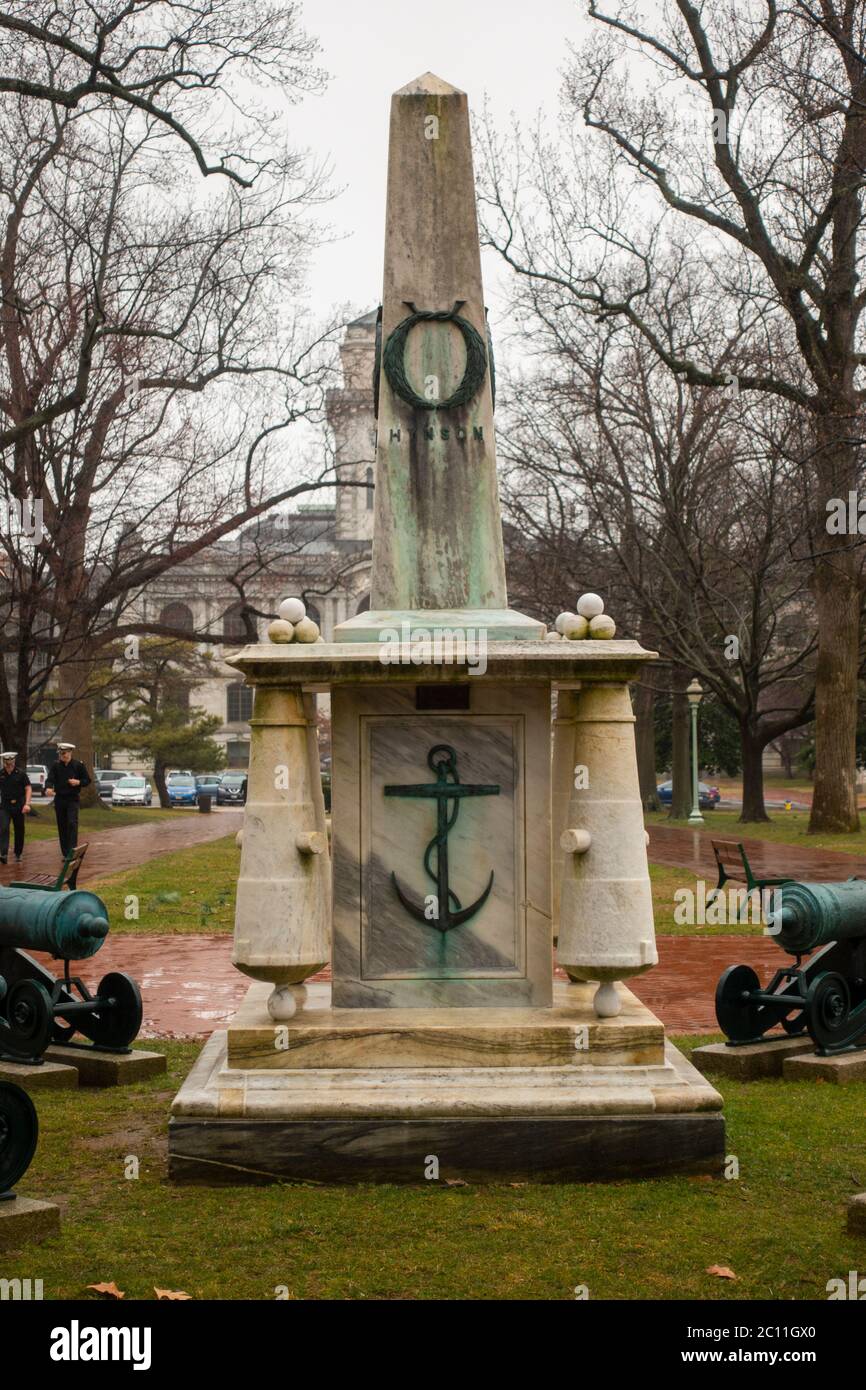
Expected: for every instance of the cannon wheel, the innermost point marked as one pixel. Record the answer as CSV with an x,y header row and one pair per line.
x,y
119,1024
828,1009
739,1018
19,1132
30,1016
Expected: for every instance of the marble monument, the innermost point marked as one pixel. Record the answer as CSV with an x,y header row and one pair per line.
x,y
442,1030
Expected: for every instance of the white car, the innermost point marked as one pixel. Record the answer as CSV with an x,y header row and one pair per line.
x,y
37,774
132,791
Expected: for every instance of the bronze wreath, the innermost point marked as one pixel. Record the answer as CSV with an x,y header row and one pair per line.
x,y
476,358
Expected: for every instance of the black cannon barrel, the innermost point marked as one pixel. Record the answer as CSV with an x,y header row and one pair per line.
x,y
70,926
805,916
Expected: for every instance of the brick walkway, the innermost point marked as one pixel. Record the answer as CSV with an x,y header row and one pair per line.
x,y
114,851
679,847
190,986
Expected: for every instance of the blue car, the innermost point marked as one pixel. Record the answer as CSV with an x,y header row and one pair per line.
x,y
708,797
182,790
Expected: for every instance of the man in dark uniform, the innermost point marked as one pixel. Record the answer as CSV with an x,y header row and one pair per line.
x,y
64,783
15,793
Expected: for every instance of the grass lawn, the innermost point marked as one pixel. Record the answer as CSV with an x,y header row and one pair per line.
x,y
784,827
664,882
780,1226
44,826
192,890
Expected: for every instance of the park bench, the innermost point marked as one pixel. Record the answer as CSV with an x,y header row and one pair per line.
x,y
55,883
734,867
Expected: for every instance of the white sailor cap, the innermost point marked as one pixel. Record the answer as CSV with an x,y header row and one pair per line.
x,y
63,746
4,756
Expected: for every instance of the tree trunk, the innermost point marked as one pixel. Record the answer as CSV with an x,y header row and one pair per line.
x,y
753,777
159,783
645,743
681,763
837,604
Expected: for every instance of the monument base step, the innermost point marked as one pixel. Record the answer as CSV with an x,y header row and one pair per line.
x,y
568,1034
569,1123
420,624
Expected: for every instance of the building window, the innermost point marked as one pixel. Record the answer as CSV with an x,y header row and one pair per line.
x,y
239,702
237,754
313,614
234,629
369,489
177,615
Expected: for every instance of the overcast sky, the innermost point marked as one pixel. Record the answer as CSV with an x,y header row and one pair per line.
x,y
508,50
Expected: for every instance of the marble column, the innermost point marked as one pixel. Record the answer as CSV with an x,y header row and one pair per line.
x,y
606,930
282,919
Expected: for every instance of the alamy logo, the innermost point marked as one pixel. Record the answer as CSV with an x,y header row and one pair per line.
x,y
25,1290
77,1343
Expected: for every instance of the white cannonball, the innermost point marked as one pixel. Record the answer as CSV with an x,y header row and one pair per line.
x,y
285,1000
292,610
603,627
281,631
563,619
239,838
590,605
306,630
576,630
553,637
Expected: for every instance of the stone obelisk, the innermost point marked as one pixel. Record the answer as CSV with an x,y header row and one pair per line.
x,y
437,541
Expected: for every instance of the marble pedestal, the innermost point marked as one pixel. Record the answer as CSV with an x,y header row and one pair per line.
x,y
361,1095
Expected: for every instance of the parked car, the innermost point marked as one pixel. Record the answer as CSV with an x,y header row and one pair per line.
x,y
208,783
37,774
708,797
106,779
181,789
232,790
132,791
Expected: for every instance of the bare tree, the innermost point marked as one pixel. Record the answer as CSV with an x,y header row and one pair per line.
x,y
689,504
197,365
746,124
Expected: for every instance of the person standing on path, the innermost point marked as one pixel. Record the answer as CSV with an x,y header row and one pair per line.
x,y
64,783
15,794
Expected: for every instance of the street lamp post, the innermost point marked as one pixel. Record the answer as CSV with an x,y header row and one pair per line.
x,y
695,693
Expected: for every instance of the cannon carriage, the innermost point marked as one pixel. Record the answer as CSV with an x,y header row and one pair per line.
x,y
824,994
19,1135
37,1008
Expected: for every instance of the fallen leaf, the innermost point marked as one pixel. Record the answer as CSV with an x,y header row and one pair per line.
x,y
721,1272
455,1182
109,1290
171,1294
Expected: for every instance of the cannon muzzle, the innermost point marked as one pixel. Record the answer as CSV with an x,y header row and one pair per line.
x,y
808,915
70,926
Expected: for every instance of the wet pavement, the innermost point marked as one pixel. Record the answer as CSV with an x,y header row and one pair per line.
x,y
678,847
190,986
114,851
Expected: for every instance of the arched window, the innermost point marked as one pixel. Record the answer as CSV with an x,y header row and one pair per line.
x,y
239,703
233,624
369,493
313,613
177,615
364,605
